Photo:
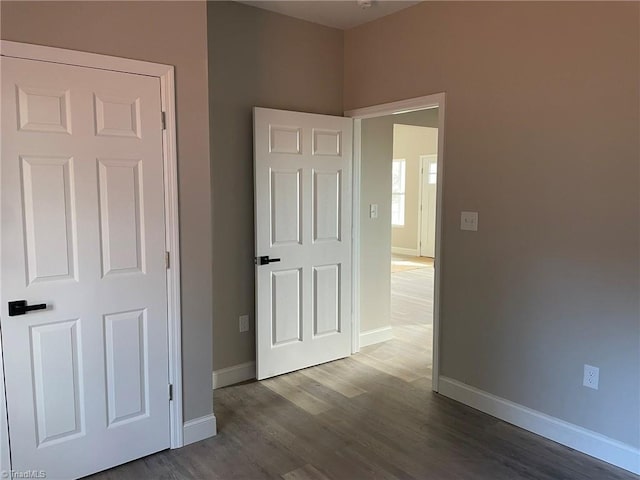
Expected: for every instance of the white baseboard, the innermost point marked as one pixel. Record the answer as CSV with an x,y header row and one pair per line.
x,y
199,429
579,438
236,374
374,336
405,251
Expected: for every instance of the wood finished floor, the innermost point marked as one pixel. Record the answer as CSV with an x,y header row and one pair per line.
x,y
370,416
401,263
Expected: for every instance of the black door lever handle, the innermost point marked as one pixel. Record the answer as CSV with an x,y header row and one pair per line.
x,y
264,260
20,307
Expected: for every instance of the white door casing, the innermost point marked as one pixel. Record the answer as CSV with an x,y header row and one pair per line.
x,y
428,198
302,217
83,231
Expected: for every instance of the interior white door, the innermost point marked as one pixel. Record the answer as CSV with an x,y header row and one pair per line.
x,y
428,189
5,461
82,208
303,227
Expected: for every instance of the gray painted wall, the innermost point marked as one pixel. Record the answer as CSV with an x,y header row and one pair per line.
x,y
375,234
256,58
173,33
542,139
542,125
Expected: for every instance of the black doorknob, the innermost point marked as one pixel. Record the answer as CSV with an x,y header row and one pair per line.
x,y
264,260
20,307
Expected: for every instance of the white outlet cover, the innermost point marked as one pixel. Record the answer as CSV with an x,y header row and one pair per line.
x,y
373,210
244,323
469,221
591,376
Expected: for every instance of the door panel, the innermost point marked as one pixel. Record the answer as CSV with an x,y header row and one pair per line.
x,y
127,367
284,139
44,110
286,306
303,218
326,300
121,216
117,117
327,142
58,388
49,217
326,205
286,207
82,206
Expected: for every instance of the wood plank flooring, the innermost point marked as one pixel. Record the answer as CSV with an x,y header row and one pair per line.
x,y
370,416
400,263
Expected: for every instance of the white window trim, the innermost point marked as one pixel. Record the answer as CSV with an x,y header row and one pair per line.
x,y
166,75
423,162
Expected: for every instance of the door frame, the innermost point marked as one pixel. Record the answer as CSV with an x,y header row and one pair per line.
x,y
436,100
421,212
166,75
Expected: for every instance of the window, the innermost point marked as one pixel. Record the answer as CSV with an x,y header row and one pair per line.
x,y
433,168
398,192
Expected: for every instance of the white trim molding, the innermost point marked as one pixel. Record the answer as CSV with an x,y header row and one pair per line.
x,y
199,429
355,237
172,242
396,108
234,374
166,75
412,252
81,59
377,335
573,436
436,100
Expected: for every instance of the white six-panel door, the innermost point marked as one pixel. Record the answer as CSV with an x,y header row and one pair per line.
x,y
302,218
5,461
83,232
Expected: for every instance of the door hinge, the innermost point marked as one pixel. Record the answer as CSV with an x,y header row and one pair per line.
x,y
170,392
164,120
167,260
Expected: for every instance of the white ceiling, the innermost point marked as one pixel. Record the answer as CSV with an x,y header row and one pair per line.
x,y
342,14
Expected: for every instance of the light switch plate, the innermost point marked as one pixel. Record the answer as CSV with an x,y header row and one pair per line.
x,y
469,221
373,210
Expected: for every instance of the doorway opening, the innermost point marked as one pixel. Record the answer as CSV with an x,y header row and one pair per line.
x,y
397,195
413,208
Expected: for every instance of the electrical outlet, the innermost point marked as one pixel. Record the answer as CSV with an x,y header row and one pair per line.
x,y
244,323
591,376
